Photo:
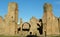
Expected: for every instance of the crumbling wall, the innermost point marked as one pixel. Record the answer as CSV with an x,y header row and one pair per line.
x,y
50,22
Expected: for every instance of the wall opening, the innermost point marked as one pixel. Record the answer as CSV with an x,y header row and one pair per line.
x,y
26,26
40,29
18,30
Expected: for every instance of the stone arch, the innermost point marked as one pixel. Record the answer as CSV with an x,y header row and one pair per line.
x,y
26,26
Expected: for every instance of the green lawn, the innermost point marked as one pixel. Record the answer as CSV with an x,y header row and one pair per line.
x,y
9,36
23,36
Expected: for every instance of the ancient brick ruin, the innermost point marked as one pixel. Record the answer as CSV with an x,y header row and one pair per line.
x,y
48,24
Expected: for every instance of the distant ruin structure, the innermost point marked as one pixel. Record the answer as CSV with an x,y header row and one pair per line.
x,y
48,24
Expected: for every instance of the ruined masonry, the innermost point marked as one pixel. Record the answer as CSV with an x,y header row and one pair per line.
x,y
47,25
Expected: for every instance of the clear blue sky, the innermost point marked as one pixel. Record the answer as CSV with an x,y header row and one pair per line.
x,y
29,8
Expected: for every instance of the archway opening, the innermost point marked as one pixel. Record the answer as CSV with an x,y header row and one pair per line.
x,y
26,26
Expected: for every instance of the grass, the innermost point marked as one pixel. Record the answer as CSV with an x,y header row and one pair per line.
x,y
9,36
24,36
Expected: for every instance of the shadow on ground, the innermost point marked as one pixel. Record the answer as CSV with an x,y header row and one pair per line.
x,y
31,36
